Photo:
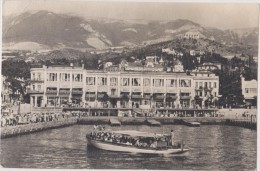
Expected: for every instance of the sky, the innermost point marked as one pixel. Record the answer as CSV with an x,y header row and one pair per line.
x,y
219,15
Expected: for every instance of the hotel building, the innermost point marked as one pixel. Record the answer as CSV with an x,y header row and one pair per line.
x,y
69,86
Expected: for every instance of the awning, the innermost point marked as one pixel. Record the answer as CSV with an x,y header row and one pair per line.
x,y
159,97
185,97
64,95
90,95
100,96
171,96
136,96
77,97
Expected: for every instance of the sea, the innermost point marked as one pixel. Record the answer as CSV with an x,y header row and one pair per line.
x,y
212,147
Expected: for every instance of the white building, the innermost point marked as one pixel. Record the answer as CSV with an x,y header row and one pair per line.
x,y
249,90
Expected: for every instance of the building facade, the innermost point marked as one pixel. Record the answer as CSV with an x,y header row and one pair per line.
x,y
249,90
65,86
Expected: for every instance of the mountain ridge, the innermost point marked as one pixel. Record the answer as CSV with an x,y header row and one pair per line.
x,y
54,31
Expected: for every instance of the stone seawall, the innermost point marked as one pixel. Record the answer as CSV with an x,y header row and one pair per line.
x,y
10,131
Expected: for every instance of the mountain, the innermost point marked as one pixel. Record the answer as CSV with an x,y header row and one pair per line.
x,y
48,30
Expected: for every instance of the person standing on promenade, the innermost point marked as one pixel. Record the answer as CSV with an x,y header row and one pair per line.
x,y
172,137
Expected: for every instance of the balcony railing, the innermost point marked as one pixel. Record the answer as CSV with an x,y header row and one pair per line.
x,y
64,91
172,96
208,88
124,96
36,80
51,92
77,91
35,91
136,96
185,97
199,88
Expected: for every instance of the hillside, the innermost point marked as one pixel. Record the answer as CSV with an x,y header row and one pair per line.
x,y
48,30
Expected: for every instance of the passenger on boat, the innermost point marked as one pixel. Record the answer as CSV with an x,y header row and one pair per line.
x,y
154,144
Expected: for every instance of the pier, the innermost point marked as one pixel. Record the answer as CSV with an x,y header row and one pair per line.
x,y
9,131
114,122
191,124
241,123
153,122
35,127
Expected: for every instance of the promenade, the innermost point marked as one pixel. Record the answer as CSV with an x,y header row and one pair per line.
x,y
235,117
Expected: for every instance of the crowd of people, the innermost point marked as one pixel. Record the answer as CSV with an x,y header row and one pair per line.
x,y
12,120
99,133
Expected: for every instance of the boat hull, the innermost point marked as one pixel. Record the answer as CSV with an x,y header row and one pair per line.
x,y
133,149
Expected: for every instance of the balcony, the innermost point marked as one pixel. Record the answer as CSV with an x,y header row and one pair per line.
x,y
51,92
208,89
185,97
137,96
34,91
36,80
114,96
90,96
77,92
200,88
125,89
64,91
136,89
147,96
159,97
172,96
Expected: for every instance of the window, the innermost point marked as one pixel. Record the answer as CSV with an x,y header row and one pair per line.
x,y
136,82
113,81
77,77
158,82
147,82
196,84
185,94
39,87
65,77
171,83
33,87
215,85
185,83
113,92
39,76
90,80
209,84
206,85
33,76
102,81
52,77
125,81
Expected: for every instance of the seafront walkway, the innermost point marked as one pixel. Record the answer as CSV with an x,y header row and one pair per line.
x,y
235,117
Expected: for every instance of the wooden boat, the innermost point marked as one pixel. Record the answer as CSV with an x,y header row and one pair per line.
x,y
124,147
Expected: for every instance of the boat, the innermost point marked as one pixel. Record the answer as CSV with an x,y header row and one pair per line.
x,y
116,146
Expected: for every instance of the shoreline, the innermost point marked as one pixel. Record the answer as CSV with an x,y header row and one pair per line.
x,y
10,131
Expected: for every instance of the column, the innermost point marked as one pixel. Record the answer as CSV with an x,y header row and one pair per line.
x,y
35,102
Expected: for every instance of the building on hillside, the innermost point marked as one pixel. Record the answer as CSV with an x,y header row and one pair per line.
x,y
177,67
68,86
249,91
168,51
210,66
197,52
193,35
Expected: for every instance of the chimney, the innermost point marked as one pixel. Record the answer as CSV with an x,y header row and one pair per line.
x,y
82,66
